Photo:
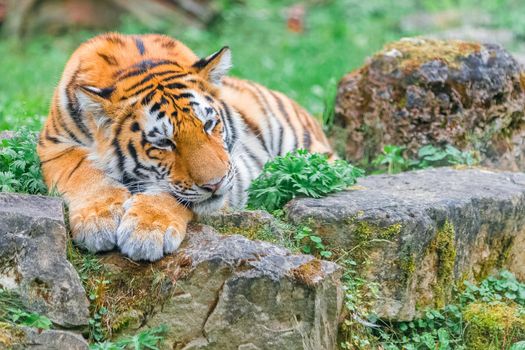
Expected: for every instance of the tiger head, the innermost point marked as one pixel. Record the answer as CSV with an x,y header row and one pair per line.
x,y
163,127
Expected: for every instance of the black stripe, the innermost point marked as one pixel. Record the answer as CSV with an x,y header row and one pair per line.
x,y
148,78
155,107
252,156
109,59
142,67
135,127
52,139
76,168
161,115
256,131
74,109
147,99
175,76
229,125
140,46
63,153
282,109
118,149
307,140
68,132
183,95
173,86
267,109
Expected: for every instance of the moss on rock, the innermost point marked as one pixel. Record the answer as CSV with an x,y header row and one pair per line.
x,y
493,326
417,92
444,247
411,53
10,335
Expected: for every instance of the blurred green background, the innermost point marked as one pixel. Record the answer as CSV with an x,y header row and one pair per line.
x,y
300,48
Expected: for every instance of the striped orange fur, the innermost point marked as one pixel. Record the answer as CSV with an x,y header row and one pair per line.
x,y
142,135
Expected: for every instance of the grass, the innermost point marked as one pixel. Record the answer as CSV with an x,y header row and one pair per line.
x,y
339,35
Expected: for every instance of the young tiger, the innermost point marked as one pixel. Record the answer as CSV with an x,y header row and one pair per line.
x,y
142,135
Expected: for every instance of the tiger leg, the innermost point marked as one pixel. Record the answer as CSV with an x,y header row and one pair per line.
x,y
95,201
153,225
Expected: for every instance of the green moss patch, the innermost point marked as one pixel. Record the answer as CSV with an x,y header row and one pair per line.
x,y
444,247
10,335
416,51
493,326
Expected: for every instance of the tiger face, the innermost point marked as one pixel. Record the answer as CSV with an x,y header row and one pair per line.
x,y
164,130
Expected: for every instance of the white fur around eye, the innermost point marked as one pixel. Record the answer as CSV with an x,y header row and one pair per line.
x,y
165,144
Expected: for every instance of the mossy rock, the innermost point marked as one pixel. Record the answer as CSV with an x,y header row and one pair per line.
x,y
493,326
419,234
417,92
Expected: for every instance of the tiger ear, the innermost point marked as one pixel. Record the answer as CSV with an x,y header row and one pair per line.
x,y
91,99
215,66
98,93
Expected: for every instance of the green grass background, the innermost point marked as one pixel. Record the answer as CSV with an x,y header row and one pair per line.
x,y
339,35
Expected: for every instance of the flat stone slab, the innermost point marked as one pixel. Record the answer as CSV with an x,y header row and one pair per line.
x,y
229,292
422,232
33,259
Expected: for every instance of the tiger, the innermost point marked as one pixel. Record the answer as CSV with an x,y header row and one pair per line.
x,y
142,136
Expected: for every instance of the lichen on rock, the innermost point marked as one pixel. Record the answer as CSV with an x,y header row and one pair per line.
x,y
417,92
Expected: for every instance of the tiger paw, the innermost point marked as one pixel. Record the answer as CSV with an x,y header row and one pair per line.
x,y
94,220
152,226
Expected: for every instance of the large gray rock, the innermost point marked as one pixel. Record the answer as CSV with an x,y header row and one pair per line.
x,y
418,92
229,292
50,340
423,232
33,259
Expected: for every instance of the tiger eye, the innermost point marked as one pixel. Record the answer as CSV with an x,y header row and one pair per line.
x,y
208,126
165,143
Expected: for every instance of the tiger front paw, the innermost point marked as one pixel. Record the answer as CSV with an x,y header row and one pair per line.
x,y
94,220
151,227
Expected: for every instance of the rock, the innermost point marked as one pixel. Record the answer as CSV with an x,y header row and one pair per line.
x,y
51,340
228,292
249,223
216,292
423,232
417,92
33,259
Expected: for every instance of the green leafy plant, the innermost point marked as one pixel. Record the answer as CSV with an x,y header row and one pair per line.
x,y
446,328
310,243
503,287
147,339
392,158
359,296
96,331
30,319
12,311
299,174
431,156
20,165
518,346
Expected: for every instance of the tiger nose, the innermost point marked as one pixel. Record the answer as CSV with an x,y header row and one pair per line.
x,y
213,186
